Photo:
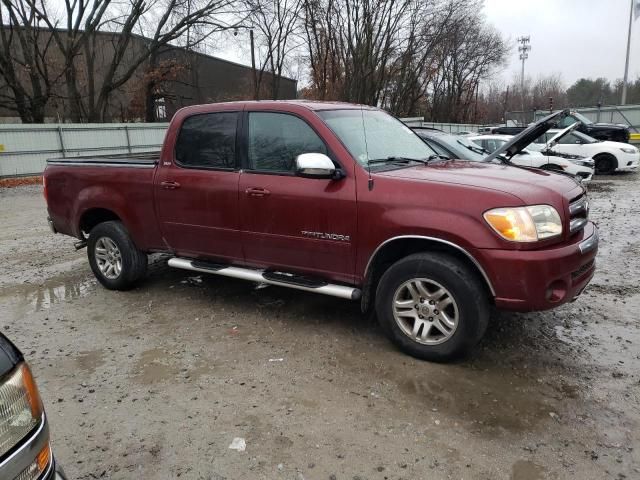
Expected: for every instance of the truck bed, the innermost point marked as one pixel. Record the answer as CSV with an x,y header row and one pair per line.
x,y
80,187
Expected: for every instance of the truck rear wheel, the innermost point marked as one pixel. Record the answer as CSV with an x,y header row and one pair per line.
x,y
432,306
114,259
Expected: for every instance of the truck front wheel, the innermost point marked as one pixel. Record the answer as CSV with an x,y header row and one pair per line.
x,y
114,259
433,306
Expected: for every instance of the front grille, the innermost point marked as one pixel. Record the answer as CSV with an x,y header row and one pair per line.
x,y
583,269
578,213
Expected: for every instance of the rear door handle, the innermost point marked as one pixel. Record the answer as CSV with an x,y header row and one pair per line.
x,y
257,192
170,185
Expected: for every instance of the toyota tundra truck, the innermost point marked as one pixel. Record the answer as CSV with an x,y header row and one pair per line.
x,y
341,200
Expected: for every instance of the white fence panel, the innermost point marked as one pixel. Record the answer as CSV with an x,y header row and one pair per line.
x,y
24,149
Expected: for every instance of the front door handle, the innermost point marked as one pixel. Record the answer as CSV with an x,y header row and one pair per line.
x,y
170,185
257,192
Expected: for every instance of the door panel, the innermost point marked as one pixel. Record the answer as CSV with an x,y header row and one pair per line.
x,y
298,224
201,216
291,226
197,194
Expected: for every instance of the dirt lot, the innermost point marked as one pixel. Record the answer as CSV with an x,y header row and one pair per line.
x,y
156,383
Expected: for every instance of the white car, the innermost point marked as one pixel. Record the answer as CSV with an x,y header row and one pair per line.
x,y
608,156
582,168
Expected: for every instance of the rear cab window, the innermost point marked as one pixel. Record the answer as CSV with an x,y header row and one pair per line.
x,y
208,141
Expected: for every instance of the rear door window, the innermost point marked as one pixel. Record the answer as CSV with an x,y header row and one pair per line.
x,y
208,141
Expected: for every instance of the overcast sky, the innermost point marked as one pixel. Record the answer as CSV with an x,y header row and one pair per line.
x,y
576,38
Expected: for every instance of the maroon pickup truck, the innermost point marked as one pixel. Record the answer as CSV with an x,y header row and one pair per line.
x,y
337,199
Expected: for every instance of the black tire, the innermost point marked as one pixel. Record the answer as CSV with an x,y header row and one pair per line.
x,y
606,164
133,262
462,284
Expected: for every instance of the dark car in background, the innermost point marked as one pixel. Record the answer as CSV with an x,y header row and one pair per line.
x,y
25,452
601,131
451,146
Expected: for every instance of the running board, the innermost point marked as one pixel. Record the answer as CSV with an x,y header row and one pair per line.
x,y
272,278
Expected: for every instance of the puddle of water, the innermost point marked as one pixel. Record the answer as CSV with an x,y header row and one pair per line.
x,y
53,291
492,400
526,470
153,367
90,360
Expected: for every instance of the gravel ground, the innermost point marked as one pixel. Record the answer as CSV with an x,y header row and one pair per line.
x,y
156,383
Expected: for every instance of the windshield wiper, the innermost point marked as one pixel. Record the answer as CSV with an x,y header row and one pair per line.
x,y
475,149
392,159
406,160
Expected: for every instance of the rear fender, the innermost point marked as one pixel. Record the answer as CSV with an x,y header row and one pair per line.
x,y
103,198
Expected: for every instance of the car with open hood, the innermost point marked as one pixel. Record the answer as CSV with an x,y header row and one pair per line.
x,y
608,156
547,159
600,131
477,147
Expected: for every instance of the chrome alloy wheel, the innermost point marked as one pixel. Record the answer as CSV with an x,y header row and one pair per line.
x,y
108,258
425,311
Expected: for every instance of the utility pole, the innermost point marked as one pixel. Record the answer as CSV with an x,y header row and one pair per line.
x,y
256,95
626,63
253,67
524,48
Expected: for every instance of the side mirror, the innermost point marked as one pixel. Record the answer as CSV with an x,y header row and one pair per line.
x,y
315,165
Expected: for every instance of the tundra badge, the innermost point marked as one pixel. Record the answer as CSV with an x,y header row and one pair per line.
x,y
326,236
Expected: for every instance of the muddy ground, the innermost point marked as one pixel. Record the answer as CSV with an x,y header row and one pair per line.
x,y
155,383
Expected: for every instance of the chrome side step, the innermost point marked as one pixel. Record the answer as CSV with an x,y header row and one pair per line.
x,y
262,276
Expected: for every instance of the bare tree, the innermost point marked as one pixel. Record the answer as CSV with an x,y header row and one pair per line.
x,y
80,42
469,54
27,76
277,23
323,49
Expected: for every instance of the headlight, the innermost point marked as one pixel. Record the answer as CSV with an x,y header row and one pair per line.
x,y
584,163
20,407
629,150
525,224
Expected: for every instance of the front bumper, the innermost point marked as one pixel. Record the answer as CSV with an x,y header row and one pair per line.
x,y
25,454
628,162
57,473
530,280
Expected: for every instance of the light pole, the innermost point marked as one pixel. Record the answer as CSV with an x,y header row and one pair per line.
x,y
253,63
524,48
626,63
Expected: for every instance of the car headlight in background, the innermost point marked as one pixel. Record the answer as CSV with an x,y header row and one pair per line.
x,y
629,149
525,224
584,163
20,407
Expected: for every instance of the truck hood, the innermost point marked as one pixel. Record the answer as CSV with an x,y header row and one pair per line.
x,y
532,186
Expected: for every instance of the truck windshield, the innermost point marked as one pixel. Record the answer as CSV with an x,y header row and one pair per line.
x,y
375,135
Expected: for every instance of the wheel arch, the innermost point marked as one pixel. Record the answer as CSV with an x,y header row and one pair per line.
x,y
396,248
94,216
607,154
